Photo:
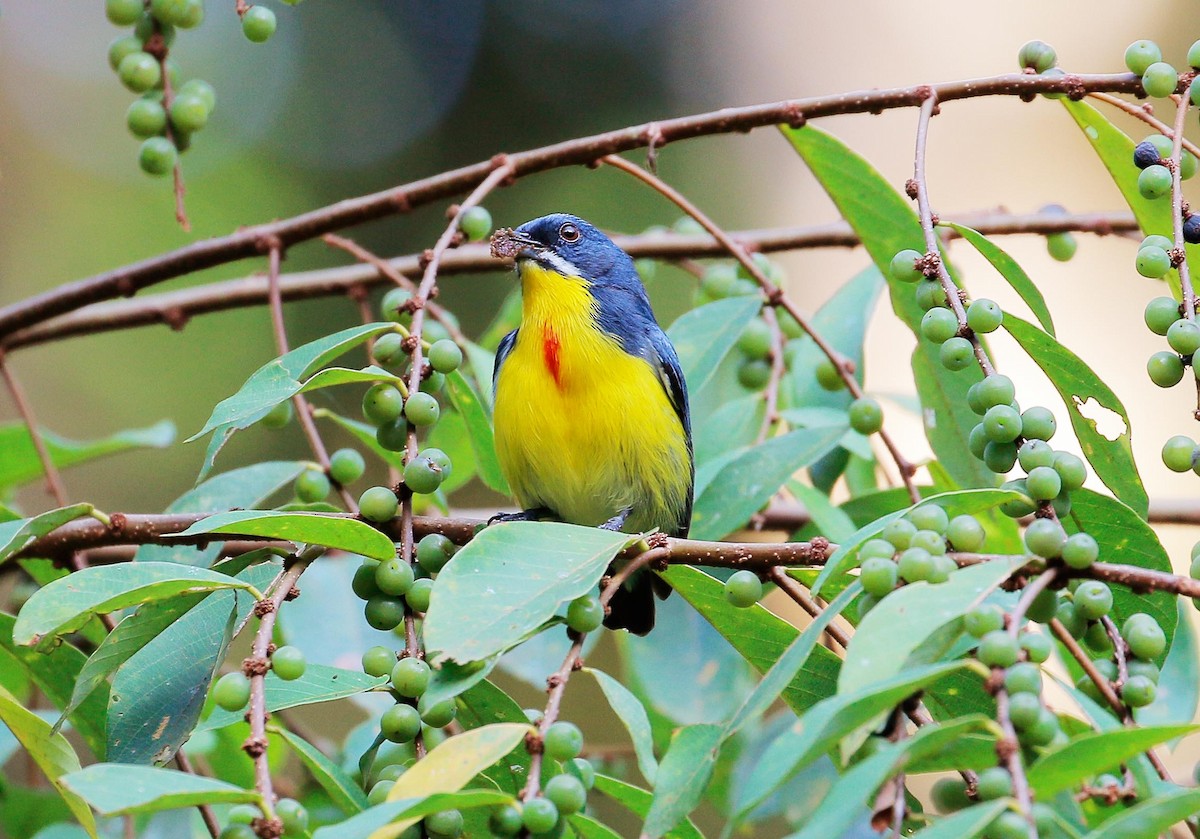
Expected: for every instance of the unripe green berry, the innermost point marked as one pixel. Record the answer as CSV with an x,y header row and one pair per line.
x,y
1165,369
393,436
878,576
1071,469
1154,182
445,356
419,594
378,504
950,795
743,589
916,565
718,280
1138,691
957,354
929,516
966,533
394,306
346,466
200,89
1061,246
994,782
930,295
258,24
444,824
422,476
1037,646
563,741
1043,483
1002,424
1024,710
1152,261
1038,423
982,619
123,12
312,485
1041,610
121,47
1080,551
157,156
998,649
146,118
139,71
1093,600
439,714
903,266
1017,507
421,409
378,661
293,815
1179,453
866,415
232,691
1037,55
410,677
585,614
434,551
382,403
880,547
506,820
1140,55
383,613
1035,453
899,533
828,377
755,340
754,374
475,223
1184,336
1045,538
567,793
539,815
394,577
939,325
188,114
288,663
930,540
1144,636
984,315
1160,80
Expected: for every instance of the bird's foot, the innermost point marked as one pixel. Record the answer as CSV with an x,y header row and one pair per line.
x,y
532,514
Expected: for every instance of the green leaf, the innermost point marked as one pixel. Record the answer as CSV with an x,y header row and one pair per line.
x,y
760,636
1124,537
246,487
365,434
718,437
21,462
704,336
1178,690
339,532
637,801
748,481
886,223
509,580
1150,818
51,752
965,824
478,419
320,683
380,818
67,604
485,704
682,776
1011,271
342,790
633,716
453,436
586,827
1087,754
16,534
116,789
1077,384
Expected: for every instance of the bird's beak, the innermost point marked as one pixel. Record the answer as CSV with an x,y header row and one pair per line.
x,y
512,244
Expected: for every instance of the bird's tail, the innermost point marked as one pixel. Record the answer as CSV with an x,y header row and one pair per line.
x,y
632,605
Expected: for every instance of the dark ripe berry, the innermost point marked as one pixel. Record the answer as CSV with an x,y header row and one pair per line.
x,y
1024,710
1138,692
567,793
312,485
998,649
437,714
743,589
146,118
755,340
475,223
1002,424
410,677
878,576
930,295
585,613
994,782
506,820
903,266
977,441
384,613
930,516
1037,646
899,533
539,815
1043,483
445,356
916,565
1037,55
258,24
419,595
1045,538
393,436
378,504
996,389
984,315
1154,182
1035,453
378,661
866,415
966,533
827,375
950,795
957,354
1191,232
444,824
563,741
1041,610
939,325
123,12
754,374
1145,154
1080,551
346,466
421,409
1140,55
1071,469
1061,246
382,403
288,662
1184,336
434,551
982,619
1161,312
1165,369
139,71
422,476
1038,423
1144,636
157,156
1093,600
232,691
189,113
999,457
394,577
1178,453
1160,80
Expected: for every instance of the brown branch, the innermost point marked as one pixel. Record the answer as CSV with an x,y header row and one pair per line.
x,y
206,810
778,370
1178,252
247,242
797,592
1144,112
160,50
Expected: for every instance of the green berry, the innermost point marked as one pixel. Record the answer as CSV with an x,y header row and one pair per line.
x,y
982,619
422,476
1002,424
878,576
382,403
539,815
410,677
421,409
312,485
1179,453
1068,617
718,280
1045,538
444,824
389,348
866,415
998,649
1184,336
438,714
943,567
279,416
567,793
879,548
1153,261
139,71
384,613
1024,709
755,340
950,795
147,118
939,325
434,551
1153,182
1038,423
123,12
1071,469
899,533
1188,164
346,466
929,516
1034,453
378,661
419,594
1041,610
1138,692
1144,636
258,24
400,723
583,770
1041,733
1140,55
378,504
506,820
828,377
157,156
238,831
188,114
1080,551
585,614
904,268
1043,483
1037,646
288,662
394,306
243,813
1061,246
1165,369
966,533
475,223
121,47
930,540
916,565
393,436
957,354
994,782
1160,80
754,374
984,315
743,589
363,583
563,741
232,691
1017,507
1093,600
1037,55
445,356
930,295
379,792
1148,669
394,577
995,390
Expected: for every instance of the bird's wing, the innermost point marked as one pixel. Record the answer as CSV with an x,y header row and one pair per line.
x,y
670,373
506,346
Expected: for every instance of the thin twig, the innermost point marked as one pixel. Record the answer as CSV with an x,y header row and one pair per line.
x,y
800,595
1143,112
206,811
778,370
1179,254
158,47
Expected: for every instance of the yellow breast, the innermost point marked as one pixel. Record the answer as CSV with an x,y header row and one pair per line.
x,y
582,427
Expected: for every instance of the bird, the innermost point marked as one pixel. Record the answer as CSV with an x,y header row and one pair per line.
x,y
590,404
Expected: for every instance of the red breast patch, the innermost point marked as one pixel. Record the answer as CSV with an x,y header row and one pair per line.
x,y
550,348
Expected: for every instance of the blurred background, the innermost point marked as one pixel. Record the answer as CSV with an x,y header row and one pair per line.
x,y
352,96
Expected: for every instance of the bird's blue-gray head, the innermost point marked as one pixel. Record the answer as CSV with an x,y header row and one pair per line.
x,y
568,245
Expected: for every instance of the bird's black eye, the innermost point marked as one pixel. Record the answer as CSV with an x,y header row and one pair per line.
x,y
569,232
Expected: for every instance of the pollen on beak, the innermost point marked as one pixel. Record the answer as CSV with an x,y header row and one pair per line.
x,y
509,244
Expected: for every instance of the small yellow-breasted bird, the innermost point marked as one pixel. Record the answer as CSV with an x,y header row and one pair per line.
x,y
591,407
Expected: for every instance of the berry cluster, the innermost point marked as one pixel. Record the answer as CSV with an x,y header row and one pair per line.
x,y
290,812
